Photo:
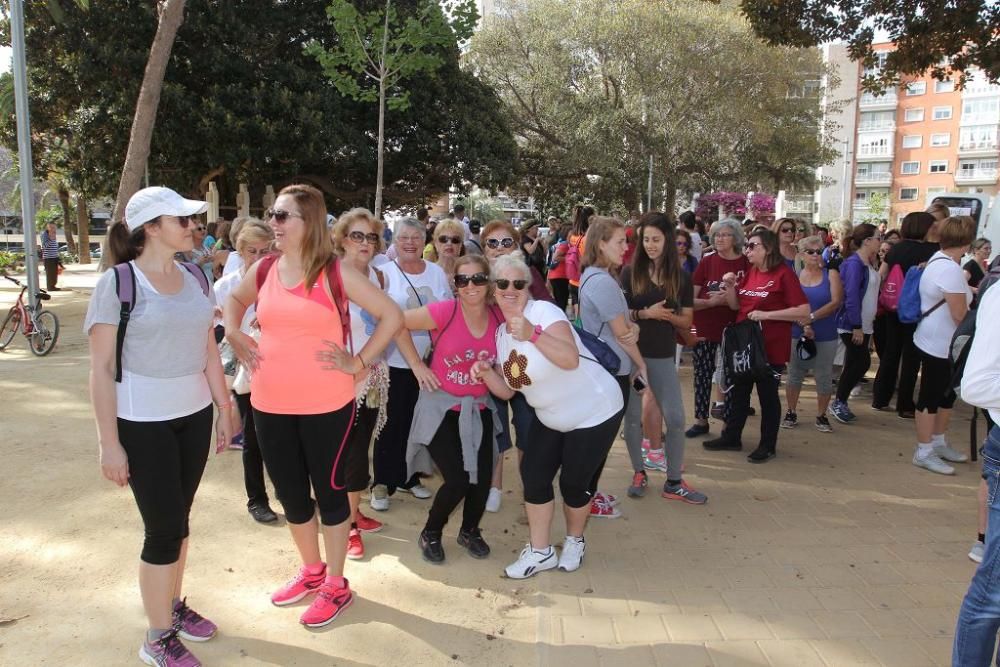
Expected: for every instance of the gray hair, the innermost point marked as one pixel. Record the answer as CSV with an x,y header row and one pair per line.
x,y
408,222
808,242
733,225
514,260
843,229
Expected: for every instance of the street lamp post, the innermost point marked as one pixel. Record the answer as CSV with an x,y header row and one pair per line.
x,y
24,147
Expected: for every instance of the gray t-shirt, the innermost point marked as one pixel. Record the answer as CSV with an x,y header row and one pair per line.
x,y
602,300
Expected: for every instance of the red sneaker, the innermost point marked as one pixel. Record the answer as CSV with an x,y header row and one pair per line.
x,y
327,605
355,547
603,510
301,585
368,524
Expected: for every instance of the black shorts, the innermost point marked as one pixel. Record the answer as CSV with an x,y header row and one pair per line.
x,y
935,384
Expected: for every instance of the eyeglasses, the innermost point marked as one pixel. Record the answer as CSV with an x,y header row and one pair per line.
x,y
723,235
503,283
280,216
493,244
682,244
409,239
361,237
752,245
787,230
811,251
454,240
477,279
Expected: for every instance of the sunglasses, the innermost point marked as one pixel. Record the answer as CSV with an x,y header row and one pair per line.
x,y
493,244
477,279
682,244
361,237
199,228
185,221
787,230
801,230
279,215
752,245
454,240
503,283
813,252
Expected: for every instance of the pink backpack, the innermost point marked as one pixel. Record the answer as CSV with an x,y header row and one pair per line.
x,y
892,288
573,260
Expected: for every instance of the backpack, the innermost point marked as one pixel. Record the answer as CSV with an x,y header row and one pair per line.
x,y
573,260
961,340
603,354
908,305
125,289
744,357
888,297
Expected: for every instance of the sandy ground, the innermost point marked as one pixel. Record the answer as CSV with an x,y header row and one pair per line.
x,y
838,527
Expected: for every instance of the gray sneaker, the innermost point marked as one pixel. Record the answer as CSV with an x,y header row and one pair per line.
x,y
379,498
932,462
948,454
977,551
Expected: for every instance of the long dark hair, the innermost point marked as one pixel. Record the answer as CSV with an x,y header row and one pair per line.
x,y
773,257
668,270
582,220
123,245
861,233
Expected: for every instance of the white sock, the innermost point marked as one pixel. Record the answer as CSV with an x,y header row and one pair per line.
x,y
579,540
925,449
938,439
547,551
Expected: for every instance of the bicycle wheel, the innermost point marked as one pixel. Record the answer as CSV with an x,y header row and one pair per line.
x,y
44,337
9,328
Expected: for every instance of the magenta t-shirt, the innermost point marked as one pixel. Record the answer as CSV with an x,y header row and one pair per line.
x,y
456,349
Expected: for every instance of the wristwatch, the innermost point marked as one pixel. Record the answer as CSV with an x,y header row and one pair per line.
x,y
536,333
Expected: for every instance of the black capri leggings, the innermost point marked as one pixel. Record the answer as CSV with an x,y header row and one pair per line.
x,y
300,450
165,463
580,453
446,451
358,445
560,291
857,361
935,384
389,451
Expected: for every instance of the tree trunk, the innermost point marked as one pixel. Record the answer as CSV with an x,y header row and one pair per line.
x,y
381,115
83,228
67,219
170,19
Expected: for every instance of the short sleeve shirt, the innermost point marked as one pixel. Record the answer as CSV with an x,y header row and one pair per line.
x,y
657,339
776,289
456,349
414,290
602,300
709,322
941,276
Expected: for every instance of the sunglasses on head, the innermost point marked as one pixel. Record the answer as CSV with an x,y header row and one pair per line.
x,y
812,251
454,240
493,244
477,279
279,215
503,283
361,237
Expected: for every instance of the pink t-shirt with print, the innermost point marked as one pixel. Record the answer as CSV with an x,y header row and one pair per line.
x,y
456,349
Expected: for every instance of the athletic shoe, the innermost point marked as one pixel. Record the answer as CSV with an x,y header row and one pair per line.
x,y
722,445
304,583
684,493
327,605
932,462
474,543
367,524
905,414
191,625
609,498
881,408
645,446
947,453
493,500
418,490
823,424
717,411
856,391
262,513
237,442
431,547
638,487
379,498
696,430
572,554
531,562
603,510
841,412
791,420
355,547
167,651
655,460
977,552
761,455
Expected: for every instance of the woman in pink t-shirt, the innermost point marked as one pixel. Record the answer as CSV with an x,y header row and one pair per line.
x,y
453,422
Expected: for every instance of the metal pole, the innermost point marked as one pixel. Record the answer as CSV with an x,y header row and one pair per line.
x,y
24,147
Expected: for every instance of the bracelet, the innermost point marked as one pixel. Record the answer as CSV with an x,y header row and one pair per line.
x,y
362,360
224,406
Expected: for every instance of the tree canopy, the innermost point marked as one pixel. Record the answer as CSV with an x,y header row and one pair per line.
x,y
928,34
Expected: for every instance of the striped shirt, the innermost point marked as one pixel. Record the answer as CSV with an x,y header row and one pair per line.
x,y
50,246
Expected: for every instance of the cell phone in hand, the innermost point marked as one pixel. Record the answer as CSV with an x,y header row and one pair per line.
x,y
639,383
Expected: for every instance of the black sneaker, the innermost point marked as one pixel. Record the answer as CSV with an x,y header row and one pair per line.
x,y
262,513
431,547
823,424
474,543
696,430
791,420
752,411
722,445
761,455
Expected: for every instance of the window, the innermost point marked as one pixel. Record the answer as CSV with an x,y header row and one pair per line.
x,y
877,120
912,141
944,86
942,113
907,194
910,167
942,139
916,88
913,115
936,190
939,166
985,110
978,137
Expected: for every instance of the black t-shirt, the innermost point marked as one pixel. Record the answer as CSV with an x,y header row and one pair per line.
x,y
976,272
657,339
909,253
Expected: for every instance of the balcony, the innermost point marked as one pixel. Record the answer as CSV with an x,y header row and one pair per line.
x,y
876,125
871,102
877,179
979,118
983,148
874,151
976,177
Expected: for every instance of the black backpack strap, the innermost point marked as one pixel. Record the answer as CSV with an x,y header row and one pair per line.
x,y
125,289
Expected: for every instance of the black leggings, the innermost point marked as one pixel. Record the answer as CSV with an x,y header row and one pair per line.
x,y
300,450
770,409
560,291
358,445
857,361
446,451
165,463
389,452
898,359
253,463
624,384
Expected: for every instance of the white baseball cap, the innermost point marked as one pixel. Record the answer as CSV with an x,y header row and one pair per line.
x,y
150,203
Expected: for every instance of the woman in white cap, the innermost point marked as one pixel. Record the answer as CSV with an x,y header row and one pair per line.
x,y
154,424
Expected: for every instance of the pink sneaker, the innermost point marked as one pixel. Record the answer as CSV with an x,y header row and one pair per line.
x,y
327,605
603,510
300,586
607,498
167,651
191,625
655,459
366,524
645,446
355,547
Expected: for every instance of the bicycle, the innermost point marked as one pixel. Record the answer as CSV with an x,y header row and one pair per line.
x,y
41,328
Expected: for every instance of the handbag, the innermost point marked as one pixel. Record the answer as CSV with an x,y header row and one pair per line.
x,y
744,357
603,354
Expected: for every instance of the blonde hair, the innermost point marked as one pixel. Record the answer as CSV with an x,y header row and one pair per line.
x,y
601,228
343,226
253,231
956,231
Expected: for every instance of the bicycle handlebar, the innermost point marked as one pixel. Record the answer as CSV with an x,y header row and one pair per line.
x,y
42,294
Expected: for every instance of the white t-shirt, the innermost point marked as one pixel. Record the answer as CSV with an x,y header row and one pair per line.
x,y
869,302
233,264
941,276
362,322
981,379
223,288
564,400
696,245
431,285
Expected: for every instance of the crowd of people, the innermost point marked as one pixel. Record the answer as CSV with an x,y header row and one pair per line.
x,y
340,363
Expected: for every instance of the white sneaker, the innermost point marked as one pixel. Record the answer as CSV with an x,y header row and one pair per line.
x,y
531,562
418,490
379,498
493,500
947,453
977,551
933,463
572,553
